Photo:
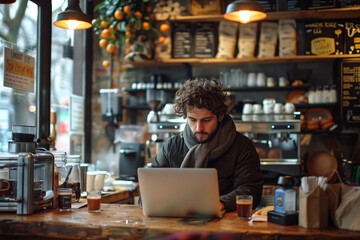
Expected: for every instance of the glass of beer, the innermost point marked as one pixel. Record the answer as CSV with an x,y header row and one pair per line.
x,y
64,199
244,206
94,200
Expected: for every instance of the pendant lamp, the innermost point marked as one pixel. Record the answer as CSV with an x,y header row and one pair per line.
x,y
245,11
7,1
73,18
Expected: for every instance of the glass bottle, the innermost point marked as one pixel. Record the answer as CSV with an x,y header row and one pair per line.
x,y
326,94
333,94
73,175
318,94
285,195
312,95
59,172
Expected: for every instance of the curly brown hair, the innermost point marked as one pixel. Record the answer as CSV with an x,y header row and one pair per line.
x,y
201,93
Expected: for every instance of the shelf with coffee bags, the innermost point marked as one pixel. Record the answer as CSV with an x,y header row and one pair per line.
x,y
316,105
264,89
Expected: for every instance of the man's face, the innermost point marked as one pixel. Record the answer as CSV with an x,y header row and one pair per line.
x,y
202,122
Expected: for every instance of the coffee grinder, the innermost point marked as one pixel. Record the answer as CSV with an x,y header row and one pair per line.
x,y
154,98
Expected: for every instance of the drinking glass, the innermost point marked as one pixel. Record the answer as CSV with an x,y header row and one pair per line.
x,y
94,200
244,206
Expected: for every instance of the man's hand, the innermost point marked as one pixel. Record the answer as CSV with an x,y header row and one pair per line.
x,y
222,206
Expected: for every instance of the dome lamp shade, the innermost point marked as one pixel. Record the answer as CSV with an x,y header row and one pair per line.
x,y
73,18
245,11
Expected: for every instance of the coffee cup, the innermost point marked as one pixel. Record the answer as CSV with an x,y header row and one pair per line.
x,y
257,108
279,111
90,180
100,179
270,82
248,108
289,108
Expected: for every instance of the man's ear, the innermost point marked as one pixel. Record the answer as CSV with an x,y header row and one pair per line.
x,y
221,117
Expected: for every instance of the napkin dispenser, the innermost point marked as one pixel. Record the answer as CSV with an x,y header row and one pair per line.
x,y
27,182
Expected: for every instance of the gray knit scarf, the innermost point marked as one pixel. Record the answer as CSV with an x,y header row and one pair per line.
x,y
201,153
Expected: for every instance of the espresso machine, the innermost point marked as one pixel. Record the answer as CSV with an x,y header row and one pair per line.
x,y
161,124
278,144
26,174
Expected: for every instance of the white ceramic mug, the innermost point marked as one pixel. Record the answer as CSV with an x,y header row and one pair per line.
x,y
100,180
251,79
278,108
257,108
248,108
289,108
261,80
90,180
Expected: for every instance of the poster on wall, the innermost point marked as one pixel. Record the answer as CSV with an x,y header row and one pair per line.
x,y
350,91
19,70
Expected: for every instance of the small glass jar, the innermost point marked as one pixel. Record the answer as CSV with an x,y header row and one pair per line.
x,y
286,195
326,94
311,95
333,94
318,94
73,175
59,172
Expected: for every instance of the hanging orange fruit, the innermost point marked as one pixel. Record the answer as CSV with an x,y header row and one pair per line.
x,y
161,39
138,14
145,25
103,24
127,9
110,48
164,27
103,43
118,15
148,8
128,34
106,63
105,33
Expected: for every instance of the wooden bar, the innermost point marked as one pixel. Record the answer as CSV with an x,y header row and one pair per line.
x,y
120,221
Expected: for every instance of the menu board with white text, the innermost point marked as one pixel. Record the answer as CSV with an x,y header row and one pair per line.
x,y
350,91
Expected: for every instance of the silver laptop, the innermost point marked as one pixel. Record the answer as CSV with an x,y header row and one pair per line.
x,y
179,192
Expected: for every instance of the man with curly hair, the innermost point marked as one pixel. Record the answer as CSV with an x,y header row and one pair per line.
x,y
210,140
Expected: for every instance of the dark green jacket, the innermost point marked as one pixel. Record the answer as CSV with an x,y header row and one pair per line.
x,y
238,170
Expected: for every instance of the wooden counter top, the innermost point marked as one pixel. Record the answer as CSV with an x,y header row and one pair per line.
x,y
119,221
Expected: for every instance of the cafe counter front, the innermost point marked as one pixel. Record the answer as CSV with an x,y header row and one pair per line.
x,y
121,221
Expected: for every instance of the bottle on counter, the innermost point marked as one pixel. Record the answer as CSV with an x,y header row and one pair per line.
x,y
285,195
73,175
59,173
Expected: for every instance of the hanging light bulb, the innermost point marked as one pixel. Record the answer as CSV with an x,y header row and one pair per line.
x,y
245,11
7,1
73,18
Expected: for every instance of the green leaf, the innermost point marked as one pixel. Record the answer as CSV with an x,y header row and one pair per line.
x,y
110,10
138,24
96,8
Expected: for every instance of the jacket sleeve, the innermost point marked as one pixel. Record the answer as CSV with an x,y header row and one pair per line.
x,y
247,178
162,158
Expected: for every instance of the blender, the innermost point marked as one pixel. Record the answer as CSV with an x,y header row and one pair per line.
x,y
154,98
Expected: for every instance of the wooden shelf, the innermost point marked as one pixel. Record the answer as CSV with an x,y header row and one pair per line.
x,y
239,61
264,89
333,13
316,105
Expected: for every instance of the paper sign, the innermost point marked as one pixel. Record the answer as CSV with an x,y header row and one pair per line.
x,y
19,71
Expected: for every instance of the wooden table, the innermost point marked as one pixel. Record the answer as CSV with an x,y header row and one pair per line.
x,y
120,221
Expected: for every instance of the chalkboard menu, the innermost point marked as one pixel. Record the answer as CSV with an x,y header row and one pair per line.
x,y
182,40
350,91
205,37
